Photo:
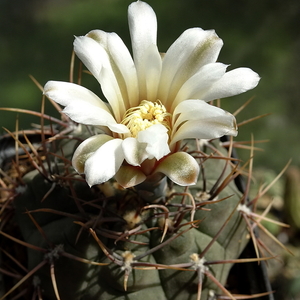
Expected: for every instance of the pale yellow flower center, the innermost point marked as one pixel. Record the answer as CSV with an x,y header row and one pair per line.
x,y
145,115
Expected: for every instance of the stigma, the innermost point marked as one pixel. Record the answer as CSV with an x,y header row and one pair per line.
x,y
145,115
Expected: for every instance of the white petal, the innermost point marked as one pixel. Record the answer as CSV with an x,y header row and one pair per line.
x,y
93,56
207,128
180,167
198,119
134,151
91,115
192,50
86,149
66,93
121,63
143,31
189,110
152,65
232,83
96,59
85,113
156,138
82,106
104,163
143,28
112,92
200,82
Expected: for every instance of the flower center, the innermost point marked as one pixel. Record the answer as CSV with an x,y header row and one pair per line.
x,y
145,115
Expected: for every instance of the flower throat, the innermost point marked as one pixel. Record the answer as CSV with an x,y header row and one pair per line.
x,y
145,115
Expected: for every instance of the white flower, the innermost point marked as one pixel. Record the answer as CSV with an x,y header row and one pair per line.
x,y
154,101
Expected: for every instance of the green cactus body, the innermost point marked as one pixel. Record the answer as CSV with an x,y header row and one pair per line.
x,y
292,194
118,216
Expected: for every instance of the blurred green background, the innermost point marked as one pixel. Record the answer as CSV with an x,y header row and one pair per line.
x,y
36,38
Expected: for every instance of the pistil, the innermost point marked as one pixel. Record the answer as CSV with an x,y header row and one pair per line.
x,y
145,115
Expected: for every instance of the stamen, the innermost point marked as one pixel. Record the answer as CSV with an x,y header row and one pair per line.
x,y
145,115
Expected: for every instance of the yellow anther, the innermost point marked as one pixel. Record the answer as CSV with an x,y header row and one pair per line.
x,y
145,115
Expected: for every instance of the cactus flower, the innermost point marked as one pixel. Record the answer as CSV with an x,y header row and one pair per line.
x,y
153,101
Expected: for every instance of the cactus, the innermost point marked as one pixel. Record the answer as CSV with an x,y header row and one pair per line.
x,y
173,232
292,192
106,239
